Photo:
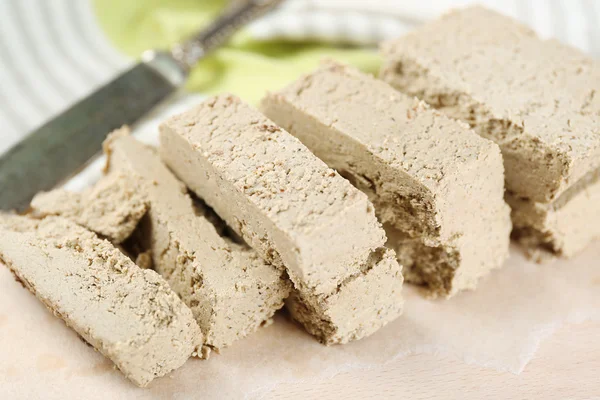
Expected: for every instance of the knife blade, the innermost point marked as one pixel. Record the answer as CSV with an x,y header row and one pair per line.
x,y
54,151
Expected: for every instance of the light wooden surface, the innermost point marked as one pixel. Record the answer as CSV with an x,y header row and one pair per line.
x,y
566,366
40,358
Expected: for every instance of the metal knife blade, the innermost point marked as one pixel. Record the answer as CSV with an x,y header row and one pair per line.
x,y
60,147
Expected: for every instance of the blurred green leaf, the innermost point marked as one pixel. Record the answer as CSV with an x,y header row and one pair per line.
x,y
246,67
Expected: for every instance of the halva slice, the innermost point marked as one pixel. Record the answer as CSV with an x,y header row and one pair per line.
x,y
361,305
279,197
290,207
436,185
561,227
536,98
112,208
129,315
228,287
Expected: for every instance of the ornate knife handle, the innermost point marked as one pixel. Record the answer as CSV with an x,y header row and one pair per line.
x,y
175,65
192,50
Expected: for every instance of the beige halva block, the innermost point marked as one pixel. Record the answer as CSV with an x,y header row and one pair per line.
x,y
293,209
230,290
535,98
363,303
563,226
129,315
436,185
112,208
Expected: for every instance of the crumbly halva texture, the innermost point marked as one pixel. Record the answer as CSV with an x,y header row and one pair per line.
x,y
112,208
128,314
229,288
144,259
436,185
563,227
294,210
280,198
536,98
361,305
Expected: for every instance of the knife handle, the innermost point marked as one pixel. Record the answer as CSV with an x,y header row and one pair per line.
x,y
192,50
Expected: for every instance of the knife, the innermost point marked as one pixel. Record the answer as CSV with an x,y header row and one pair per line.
x,y
57,149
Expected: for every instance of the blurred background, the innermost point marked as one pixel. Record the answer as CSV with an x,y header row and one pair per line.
x,y
53,52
